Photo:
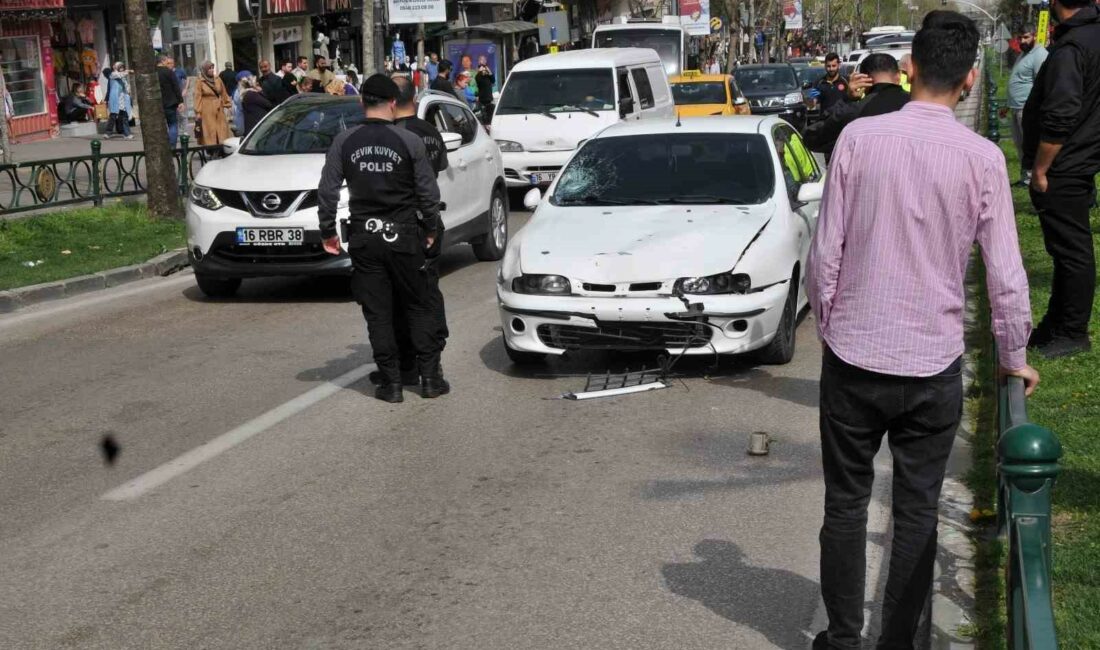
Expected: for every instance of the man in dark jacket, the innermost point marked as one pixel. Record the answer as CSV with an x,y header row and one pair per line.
x,y
884,96
171,97
1062,135
271,85
485,80
442,81
833,87
228,77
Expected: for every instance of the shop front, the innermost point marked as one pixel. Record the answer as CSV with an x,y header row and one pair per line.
x,y
27,65
274,30
337,32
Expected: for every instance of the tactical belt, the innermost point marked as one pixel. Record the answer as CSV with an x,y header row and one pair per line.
x,y
388,229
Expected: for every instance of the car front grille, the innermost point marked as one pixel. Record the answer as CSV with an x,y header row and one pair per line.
x,y
235,199
766,102
625,336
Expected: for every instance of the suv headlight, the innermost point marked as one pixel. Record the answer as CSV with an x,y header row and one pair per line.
x,y
509,146
790,99
204,197
550,285
712,284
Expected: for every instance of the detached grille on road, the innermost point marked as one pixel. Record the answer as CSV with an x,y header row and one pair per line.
x,y
625,336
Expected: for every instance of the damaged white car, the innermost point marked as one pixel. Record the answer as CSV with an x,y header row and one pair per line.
x,y
685,237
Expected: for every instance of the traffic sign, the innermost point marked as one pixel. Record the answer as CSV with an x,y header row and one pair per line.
x,y
1043,27
715,25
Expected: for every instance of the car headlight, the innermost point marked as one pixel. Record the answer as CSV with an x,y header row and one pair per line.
x,y
790,99
552,285
712,284
509,146
204,197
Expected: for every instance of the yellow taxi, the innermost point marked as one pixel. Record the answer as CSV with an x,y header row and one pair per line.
x,y
697,94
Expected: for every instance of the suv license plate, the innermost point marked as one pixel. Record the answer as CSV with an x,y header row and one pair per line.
x,y
543,177
271,236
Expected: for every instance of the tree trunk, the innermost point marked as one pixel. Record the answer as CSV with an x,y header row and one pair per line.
x,y
5,137
160,168
368,39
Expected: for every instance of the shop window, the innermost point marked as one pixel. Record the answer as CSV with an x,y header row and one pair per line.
x,y
21,66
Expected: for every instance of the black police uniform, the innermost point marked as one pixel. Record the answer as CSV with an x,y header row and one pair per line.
x,y
437,154
394,197
832,93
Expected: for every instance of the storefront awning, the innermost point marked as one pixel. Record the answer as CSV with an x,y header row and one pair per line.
x,y
503,28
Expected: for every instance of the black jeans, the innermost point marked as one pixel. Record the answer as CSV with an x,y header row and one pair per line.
x,y
919,416
387,281
1064,216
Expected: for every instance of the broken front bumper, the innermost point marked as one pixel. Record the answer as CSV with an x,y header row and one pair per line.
x,y
727,324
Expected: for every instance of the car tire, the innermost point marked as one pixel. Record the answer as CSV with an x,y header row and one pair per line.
x,y
781,349
215,287
522,358
491,247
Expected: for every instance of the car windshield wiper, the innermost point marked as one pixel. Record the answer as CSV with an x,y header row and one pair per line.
x,y
701,199
592,199
571,107
542,110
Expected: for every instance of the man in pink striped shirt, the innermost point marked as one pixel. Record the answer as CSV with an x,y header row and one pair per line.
x,y
907,195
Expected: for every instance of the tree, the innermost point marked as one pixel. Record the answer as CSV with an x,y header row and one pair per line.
x,y
160,168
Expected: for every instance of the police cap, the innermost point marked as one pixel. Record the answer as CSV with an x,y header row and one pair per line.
x,y
381,86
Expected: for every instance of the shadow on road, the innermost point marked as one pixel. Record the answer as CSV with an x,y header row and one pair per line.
x,y
359,354
776,603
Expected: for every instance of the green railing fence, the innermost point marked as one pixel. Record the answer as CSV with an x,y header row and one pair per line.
x,y
40,184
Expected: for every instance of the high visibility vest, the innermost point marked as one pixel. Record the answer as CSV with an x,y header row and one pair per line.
x,y
798,163
904,82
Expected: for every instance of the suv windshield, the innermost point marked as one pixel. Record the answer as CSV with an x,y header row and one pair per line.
x,y
304,125
757,80
699,92
665,169
558,91
811,74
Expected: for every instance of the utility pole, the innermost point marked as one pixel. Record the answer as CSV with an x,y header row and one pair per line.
x,y
368,38
160,168
379,35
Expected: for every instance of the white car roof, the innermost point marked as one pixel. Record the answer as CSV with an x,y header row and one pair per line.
x,y
605,57
730,124
618,27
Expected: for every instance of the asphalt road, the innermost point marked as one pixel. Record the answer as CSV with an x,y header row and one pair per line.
x,y
262,500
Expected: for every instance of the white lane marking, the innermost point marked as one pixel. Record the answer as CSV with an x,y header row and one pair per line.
x,y
72,304
204,452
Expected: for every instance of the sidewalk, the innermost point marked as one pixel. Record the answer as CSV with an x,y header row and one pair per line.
x,y
73,146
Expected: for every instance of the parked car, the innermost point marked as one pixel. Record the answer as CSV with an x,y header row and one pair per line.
x,y
697,95
254,213
552,103
686,237
773,89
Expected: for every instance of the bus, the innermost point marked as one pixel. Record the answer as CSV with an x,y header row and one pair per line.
x,y
666,38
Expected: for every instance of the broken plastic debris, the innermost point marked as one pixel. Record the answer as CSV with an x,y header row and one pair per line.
x,y
30,264
66,252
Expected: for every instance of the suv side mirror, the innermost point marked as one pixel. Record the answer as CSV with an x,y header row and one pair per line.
x,y
532,198
230,145
626,106
811,192
452,141
806,85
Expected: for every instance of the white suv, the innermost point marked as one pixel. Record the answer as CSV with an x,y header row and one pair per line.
x,y
254,213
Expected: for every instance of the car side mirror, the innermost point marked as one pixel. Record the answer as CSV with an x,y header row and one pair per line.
x,y
532,198
806,85
230,145
626,106
740,101
452,141
811,192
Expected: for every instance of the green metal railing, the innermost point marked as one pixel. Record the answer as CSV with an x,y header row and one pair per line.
x,y
1027,466
39,184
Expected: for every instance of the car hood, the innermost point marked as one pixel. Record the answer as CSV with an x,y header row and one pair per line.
x,y
612,245
537,132
277,173
754,94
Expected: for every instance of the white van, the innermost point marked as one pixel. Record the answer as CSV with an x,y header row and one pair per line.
x,y
552,103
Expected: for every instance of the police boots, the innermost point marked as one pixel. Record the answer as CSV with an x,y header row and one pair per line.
x,y
434,386
390,393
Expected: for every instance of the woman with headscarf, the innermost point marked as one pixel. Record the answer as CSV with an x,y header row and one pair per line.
x,y
211,100
254,104
119,105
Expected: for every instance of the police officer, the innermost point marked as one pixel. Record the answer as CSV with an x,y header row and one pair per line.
x,y
405,117
393,199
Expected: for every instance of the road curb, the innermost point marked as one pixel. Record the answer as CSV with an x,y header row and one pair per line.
x,y
161,265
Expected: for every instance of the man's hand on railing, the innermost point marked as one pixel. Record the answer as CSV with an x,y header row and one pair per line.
x,y
1028,374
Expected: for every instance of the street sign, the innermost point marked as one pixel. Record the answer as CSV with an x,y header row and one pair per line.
x,y
715,25
1043,27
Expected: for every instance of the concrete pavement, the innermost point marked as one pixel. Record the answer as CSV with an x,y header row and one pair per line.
x,y
495,517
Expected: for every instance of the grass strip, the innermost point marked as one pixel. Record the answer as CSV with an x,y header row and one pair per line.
x,y
69,243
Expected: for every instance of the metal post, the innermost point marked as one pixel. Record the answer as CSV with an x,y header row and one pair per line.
x,y
185,166
379,35
97,196
420,51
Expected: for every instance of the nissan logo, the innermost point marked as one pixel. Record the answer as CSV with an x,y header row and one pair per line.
x,y
271,202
